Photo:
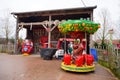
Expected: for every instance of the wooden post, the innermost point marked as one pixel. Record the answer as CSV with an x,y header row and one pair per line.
x,y
89,37
49,32
91,41
16,37
88,43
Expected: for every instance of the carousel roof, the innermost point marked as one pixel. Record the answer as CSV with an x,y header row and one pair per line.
x,y
78,25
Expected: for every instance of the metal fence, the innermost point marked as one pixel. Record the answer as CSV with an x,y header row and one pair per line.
x,y
7,48
110,57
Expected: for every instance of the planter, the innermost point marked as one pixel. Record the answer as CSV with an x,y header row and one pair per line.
x,y
47,53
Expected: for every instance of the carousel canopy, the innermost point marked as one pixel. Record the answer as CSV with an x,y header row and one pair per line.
x,y
78,26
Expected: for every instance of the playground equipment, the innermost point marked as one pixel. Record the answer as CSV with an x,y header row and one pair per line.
x,y
60,52
27,47
44,42
81,60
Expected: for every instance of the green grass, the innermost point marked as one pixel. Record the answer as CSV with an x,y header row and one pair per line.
x,y
115,71
104,63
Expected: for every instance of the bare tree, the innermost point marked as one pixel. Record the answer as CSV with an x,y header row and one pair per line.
x,y
7,29
117,25
105,21
117,29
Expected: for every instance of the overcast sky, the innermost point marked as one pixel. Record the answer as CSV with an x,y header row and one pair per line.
x,y
35,5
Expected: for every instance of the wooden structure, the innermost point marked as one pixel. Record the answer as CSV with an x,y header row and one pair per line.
x,y
39,23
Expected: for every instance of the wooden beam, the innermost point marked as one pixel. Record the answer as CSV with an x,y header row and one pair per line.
x,y
49,33
16,37
53,28
44,26
19,28
33,23
56,13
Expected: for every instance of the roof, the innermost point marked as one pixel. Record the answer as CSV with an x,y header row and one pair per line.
x,y
54,11
116,41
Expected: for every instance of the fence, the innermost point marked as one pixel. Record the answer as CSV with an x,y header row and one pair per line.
x,y
7,48
110,57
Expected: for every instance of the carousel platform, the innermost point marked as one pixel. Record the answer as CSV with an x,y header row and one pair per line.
x,y
74,68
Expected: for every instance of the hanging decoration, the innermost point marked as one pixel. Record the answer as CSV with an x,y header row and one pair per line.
x,y
78,26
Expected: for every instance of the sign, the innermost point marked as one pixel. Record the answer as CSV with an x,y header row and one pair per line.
x,y
118,46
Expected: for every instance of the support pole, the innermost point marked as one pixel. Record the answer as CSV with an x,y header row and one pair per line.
x,y
65,42
49,32
88,43
91,36
16,38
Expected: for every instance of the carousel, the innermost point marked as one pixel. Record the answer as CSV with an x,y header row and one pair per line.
x,y
80,59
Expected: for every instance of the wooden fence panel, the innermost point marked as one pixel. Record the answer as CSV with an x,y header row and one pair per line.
x,y
9,48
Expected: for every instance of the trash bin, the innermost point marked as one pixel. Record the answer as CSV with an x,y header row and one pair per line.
x,y
47,53
42,51
94,53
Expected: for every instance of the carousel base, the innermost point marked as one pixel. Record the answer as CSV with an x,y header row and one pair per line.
x,y
74,68
25,54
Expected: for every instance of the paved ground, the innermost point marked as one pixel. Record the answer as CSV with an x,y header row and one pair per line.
x,y
18,67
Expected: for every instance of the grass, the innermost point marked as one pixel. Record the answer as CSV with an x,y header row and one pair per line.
x,y
104,63
115,71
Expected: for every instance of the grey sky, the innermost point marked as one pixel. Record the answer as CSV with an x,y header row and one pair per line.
x,y
36,5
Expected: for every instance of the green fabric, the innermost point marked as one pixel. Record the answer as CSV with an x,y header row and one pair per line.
x,y
70,50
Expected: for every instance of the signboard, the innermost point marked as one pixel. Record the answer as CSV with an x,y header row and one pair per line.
x,y
118,46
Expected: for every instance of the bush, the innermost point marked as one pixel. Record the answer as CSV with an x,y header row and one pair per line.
x,y
104,63
103,45
116,71
95,44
